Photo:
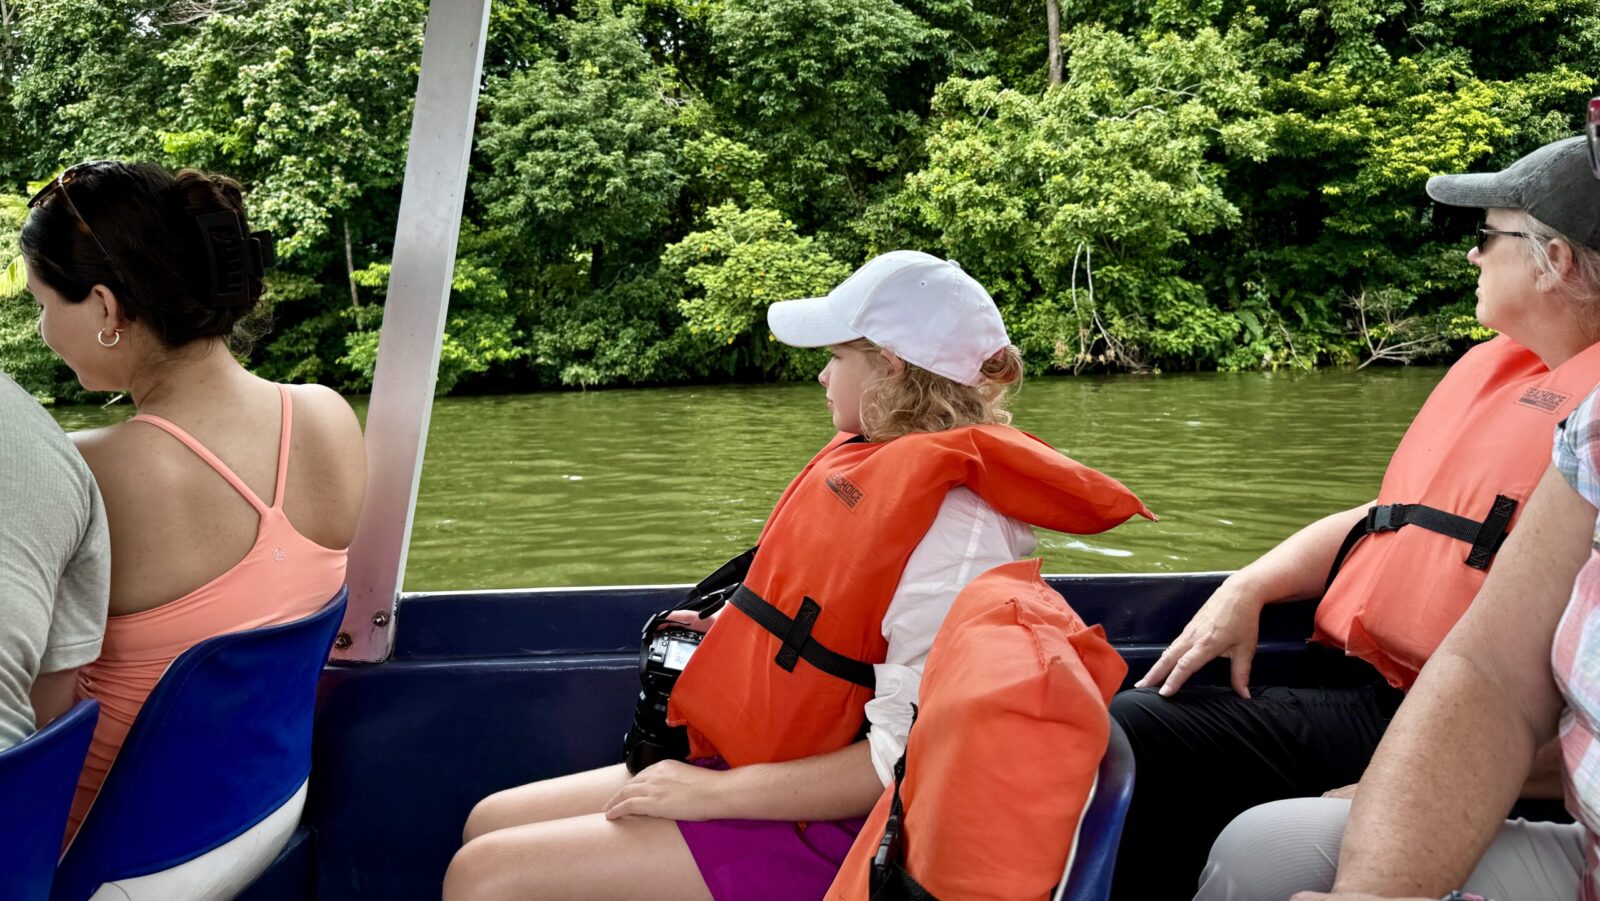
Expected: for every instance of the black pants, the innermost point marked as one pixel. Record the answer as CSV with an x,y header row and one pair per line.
x,y
1206,755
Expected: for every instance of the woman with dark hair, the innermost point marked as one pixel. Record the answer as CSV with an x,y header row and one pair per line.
x,y
230,499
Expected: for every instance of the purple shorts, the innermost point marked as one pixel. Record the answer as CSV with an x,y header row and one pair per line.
x,y
768,860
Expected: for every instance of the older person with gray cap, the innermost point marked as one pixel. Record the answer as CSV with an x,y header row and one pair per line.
x,y
1393,577
1517,670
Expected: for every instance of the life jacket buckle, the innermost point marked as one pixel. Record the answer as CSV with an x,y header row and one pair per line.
x,y
797,643
1381,518
794,641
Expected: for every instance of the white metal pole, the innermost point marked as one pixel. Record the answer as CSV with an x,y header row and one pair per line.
x,y
431,199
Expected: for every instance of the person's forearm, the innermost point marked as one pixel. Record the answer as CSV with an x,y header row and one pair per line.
x,y
1476,747
1457,753
1298,567
826,787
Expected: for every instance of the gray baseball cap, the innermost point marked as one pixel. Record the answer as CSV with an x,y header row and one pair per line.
x,y
1552,184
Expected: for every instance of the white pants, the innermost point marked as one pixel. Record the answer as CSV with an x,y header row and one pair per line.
x,y
1272,851
220,873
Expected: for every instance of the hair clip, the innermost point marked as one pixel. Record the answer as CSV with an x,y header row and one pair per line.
x,y
233,257
264,250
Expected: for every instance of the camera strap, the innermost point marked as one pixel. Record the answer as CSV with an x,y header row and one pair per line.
x,y
795,633
708,596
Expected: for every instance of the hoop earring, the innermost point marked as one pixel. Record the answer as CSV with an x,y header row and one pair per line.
x,y
101,337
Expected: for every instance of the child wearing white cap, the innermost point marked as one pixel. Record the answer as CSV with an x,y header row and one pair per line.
x,y
924,488
918,346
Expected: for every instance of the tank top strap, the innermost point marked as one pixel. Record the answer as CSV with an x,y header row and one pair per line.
x,y
201,451
283,445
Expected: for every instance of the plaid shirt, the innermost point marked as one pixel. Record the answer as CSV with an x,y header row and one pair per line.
x,y
1575,656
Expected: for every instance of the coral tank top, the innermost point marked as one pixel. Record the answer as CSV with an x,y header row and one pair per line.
x,y
283,577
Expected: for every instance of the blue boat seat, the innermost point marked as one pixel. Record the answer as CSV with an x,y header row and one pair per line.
x,y
217,758
1094,857
37,779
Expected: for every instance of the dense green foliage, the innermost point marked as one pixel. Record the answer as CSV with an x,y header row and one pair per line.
x,y
1215,184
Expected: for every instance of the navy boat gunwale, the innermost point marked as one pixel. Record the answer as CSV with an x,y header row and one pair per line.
x,y
455,624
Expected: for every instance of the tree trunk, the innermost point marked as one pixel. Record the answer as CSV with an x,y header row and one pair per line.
x,y
7,45
1052,14
350,267
597,261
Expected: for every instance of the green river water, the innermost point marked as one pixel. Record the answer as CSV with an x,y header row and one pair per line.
x,y
661,485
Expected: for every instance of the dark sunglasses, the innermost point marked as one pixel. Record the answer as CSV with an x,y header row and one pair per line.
x,y
58,185
1485,233
1592,129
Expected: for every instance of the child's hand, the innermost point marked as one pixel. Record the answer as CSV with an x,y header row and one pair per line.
x,y
691,620
670,790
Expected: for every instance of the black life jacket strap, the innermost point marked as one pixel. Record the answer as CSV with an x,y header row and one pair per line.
x,y
897,885
795,633
889,845
889,880
1484,538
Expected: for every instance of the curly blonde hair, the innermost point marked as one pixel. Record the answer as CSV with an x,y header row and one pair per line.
x,y
900,400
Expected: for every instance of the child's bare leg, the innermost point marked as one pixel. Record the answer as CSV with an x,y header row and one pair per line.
x,y
548,799
580,857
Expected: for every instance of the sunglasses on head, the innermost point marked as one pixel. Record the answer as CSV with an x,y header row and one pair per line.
x,y
58,185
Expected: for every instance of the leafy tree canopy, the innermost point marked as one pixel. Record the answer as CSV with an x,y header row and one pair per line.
x,y
1213,184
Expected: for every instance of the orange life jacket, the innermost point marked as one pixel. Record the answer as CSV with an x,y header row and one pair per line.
x,y
795,683
1476,450
1003,756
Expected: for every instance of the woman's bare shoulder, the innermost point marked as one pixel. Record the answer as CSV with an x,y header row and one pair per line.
x,y
327,480
117,445
132,462
326,413
328,436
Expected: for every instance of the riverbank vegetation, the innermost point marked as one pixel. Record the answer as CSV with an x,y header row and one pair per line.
x,y
1175,184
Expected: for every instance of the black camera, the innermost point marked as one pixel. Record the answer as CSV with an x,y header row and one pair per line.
x,y
662,659
665,649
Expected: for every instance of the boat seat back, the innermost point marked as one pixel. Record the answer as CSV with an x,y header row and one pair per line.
x,y
37,780
220,874
1094,858
222,742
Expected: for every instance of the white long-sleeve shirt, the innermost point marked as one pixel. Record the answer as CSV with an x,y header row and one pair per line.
x,y
967,538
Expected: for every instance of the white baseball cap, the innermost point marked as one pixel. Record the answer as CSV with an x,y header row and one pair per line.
x,y
926,310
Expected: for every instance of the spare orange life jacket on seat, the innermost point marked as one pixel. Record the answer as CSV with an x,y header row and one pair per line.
x,y
1466,465
1002,759
787,673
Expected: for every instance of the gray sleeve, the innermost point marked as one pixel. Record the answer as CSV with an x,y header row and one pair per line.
x,y
79,618
55,561
27,583
52,535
